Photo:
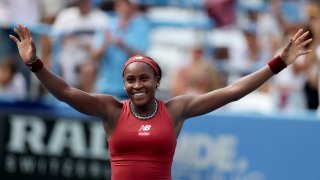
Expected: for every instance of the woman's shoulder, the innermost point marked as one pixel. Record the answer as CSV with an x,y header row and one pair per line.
x,y
177,103
176,106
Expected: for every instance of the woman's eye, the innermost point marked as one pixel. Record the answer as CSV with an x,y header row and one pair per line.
x,y
129,80
144,78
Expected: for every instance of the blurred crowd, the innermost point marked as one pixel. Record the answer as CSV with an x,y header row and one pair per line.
x,y
86,42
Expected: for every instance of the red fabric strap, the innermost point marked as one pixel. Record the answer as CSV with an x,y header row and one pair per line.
x,y
35,65
139,58
276,65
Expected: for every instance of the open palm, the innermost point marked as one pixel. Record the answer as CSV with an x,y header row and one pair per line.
x,y
25,45
296,47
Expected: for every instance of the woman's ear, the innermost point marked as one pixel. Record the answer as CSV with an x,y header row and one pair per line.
x,y
158,81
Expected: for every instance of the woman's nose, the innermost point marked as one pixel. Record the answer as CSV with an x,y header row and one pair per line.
x,y
137,85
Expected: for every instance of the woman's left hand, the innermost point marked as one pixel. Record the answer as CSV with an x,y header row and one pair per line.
x,y
296,47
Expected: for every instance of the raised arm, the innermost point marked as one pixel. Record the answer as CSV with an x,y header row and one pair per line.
x,y
81,101
201,104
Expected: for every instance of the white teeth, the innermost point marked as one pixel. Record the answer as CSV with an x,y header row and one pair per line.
x,y
139,94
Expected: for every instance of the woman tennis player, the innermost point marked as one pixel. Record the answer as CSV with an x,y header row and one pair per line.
x,y
142,130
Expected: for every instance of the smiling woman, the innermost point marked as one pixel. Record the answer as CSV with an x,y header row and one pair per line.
x,y
142,76
142,130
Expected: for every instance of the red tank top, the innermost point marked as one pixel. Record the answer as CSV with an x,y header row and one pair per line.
x,y
142,149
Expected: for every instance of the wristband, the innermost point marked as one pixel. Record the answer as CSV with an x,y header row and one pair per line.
x,y
35,65
276,65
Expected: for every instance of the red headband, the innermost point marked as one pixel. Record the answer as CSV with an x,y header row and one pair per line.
x,y
139,58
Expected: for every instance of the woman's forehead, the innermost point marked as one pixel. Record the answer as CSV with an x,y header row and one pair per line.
x,y
138,67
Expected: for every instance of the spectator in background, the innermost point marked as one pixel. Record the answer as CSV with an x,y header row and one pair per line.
x,y
12,82
313,86
50,10
304,72
261,15
252,58
318,77
197,77
12,11
313,59
129,35
27,11
222,12
75,29
288,86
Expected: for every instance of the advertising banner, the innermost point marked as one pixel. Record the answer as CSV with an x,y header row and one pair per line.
x,y
239,147
58,143
37,148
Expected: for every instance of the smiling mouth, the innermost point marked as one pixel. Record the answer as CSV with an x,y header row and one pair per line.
x,y
139,94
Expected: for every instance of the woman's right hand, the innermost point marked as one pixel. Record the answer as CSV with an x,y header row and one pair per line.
x,y
25,45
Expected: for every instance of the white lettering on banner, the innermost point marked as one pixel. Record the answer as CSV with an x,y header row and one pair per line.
x,y
67,167
206,151
66,134
42,166
27,165
98,142
10,164
80,169
36,146
54,166
218,156
20,135
94,169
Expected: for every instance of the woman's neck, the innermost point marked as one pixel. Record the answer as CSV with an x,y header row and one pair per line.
x,y
144,112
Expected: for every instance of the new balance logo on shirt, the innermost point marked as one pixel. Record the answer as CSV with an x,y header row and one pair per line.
x,y
144,130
